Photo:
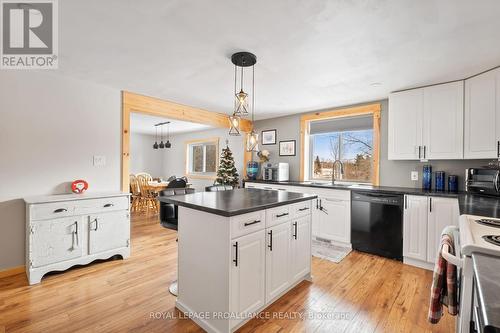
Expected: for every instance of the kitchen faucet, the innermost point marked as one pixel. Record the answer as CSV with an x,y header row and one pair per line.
x,y
334,167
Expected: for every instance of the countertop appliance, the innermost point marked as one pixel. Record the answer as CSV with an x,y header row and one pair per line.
x,y
377,223
483,180
278,172
477,234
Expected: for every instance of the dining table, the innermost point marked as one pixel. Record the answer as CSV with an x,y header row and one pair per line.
x,y
157,187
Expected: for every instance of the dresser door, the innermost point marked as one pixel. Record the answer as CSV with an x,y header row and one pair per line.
x,y
108,231
56,240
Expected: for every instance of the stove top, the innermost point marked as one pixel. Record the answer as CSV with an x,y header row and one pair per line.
x,y
479,234
493,239
489,222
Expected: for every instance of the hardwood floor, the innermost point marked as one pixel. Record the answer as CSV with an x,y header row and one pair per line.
x,y
365,293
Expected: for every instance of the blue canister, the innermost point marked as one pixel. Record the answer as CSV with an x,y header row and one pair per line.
x,y
427,177
252,170
440,183
453,183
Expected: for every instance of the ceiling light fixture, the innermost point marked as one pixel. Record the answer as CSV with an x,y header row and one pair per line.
x,y
241,108
162,144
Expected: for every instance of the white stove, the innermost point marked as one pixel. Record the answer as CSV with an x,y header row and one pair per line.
x,y
478,234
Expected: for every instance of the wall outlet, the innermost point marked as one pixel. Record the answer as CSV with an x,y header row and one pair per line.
x,y
414,175
99,160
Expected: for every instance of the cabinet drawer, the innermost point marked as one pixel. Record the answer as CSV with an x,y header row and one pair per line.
x,y
247,223
101,205
275,216
300,209
47,211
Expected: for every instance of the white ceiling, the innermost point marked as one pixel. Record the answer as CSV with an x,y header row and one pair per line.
x,y
311,54
144,124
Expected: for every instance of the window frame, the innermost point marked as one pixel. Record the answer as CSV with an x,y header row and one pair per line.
x,y
188,158
311,163
306,144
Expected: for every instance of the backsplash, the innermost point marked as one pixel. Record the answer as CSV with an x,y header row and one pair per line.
x,y
392,173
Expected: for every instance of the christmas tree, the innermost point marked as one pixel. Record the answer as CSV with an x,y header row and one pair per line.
x,y
227,173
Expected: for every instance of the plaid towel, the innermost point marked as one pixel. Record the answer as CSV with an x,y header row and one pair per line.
x,y
444,282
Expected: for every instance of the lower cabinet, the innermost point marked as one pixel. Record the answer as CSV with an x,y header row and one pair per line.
x,y
267,263
300,248
67,230
278,260
334,222
248,281
424,220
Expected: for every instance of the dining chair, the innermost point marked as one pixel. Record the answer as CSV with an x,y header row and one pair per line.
x,y
148,197
135,206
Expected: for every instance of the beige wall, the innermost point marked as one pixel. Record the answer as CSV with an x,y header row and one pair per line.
x,y
50,128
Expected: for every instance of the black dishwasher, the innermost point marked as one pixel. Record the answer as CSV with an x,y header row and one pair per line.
x,y
377,224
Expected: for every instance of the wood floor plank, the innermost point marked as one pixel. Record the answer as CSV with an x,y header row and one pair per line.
x,y
132,295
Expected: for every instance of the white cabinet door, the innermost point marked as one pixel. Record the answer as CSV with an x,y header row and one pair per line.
x,y
108,231
443,121
277,260
315,217
300,249
405,124
56,240
415,227
481,116
442,212
335,220
248,273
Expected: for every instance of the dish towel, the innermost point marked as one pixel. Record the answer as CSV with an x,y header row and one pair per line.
x,y
444,281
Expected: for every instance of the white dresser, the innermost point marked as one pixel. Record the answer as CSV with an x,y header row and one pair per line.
x,y
75,229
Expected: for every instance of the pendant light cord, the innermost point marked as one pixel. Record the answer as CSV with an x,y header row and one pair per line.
x,y
241,88
253,93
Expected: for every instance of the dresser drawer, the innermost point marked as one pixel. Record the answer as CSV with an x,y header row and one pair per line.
x,y
300,209
101,205
275,216
247,223
45,211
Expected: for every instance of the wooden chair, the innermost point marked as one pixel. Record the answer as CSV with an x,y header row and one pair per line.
x,y
147,197
136,194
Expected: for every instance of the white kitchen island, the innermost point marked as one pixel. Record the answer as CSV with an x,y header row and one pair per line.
x,y
239,251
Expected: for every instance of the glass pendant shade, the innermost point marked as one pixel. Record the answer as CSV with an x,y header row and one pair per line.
x,y
168,144
241,103
162,145
155,146
234,122
252,141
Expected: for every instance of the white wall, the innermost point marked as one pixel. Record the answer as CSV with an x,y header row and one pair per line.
x,y
174,158
143,158
50,128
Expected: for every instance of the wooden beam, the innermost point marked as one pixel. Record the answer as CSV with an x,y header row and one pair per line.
x,y
373,109
162,108
132,102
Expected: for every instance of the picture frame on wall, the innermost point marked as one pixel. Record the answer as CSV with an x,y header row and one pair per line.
x,y
269,137
287,148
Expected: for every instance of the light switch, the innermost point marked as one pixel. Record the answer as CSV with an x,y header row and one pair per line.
x,y
414,175
99,160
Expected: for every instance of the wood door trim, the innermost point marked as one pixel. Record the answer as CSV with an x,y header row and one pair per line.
x,y
132,102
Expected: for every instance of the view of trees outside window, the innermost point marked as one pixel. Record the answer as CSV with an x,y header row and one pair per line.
x,y
203,158
353,148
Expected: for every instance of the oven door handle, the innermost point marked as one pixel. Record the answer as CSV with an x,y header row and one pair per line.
x,y
452,259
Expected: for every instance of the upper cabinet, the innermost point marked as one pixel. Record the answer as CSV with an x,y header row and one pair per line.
x,y
427,123
482,116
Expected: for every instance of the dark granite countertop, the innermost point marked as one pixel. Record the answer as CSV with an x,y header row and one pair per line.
x,y
487,275
236,202
470,204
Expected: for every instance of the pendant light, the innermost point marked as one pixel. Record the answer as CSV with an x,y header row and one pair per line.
x,y
240,60
155,145
168,144
162,145
253,137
